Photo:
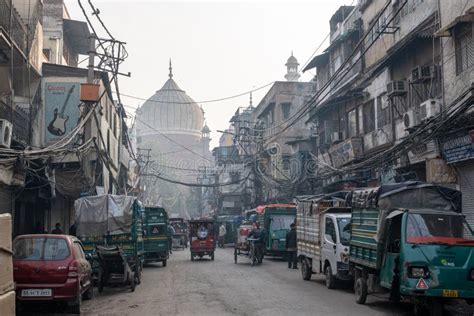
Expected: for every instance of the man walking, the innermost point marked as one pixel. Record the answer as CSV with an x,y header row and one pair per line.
x,y
291,247
222,233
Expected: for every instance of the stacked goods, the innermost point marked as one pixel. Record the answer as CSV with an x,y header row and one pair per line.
x,y
7,293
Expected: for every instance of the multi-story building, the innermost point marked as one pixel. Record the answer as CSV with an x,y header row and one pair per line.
x,y
391,84
20,69
457,60
275,130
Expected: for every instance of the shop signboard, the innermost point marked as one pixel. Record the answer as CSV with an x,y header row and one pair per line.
x,y
459,149
346,151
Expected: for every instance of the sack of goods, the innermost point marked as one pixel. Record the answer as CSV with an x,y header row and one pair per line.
x,y
7,293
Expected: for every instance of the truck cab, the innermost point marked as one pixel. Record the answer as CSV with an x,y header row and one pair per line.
x,y
335,235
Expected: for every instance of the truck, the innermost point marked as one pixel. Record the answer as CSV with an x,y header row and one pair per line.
x,y
323,230
111,220
155,232
276,220
409,240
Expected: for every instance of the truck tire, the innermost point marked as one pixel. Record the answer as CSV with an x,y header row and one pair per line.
x,y
305,269
330,279
360,288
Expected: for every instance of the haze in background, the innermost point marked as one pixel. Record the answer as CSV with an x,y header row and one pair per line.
x,y
218,49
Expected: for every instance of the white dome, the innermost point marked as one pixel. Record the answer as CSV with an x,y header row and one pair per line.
x,y
170,110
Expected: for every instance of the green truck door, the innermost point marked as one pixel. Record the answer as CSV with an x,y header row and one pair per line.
x,y
390,270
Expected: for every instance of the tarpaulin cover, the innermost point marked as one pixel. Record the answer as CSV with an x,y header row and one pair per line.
x,y
105,214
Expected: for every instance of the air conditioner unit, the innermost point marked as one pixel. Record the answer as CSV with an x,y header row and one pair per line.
x,y
429,108
5,133
396,87
410,118
422,73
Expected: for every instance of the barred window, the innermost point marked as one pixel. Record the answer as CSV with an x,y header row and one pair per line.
x,y
464,46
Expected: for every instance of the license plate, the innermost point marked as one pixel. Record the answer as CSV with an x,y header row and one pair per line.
x,y
450,293
36,293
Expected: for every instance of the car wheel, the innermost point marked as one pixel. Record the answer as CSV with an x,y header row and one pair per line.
x,y
89,294
164,262
330,279
192,257
212,256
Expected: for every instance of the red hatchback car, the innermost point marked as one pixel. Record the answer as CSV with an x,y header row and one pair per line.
x,y
51,268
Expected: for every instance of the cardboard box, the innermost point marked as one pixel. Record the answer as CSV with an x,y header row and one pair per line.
x,y
7,304
6,272
6,232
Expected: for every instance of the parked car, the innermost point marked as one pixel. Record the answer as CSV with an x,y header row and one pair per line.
x,y
51,268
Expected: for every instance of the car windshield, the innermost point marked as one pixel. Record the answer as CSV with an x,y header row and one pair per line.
x,y
40,248
282,222
344,226
438,229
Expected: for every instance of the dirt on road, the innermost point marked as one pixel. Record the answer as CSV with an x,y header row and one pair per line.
x,y
220,287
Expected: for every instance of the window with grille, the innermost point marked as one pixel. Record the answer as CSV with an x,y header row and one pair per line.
x,y
464,47
383,111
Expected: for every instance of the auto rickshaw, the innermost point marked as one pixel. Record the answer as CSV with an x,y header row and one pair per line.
x,y
179,238
201,236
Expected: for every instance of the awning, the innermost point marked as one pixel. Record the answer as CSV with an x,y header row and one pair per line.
x,y
78,34
445,31
316,61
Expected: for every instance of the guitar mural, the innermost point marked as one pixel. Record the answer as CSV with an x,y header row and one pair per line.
x,y
62,112
58,125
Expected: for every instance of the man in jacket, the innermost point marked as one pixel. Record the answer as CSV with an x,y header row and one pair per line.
x,y
291,247
222,233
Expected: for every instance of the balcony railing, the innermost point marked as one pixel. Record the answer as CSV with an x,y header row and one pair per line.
x,y
20,120
17,28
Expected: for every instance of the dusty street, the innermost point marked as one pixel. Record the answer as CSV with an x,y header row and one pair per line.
x,y
221,287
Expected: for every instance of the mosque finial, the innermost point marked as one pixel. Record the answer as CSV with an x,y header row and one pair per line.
x,y
171,70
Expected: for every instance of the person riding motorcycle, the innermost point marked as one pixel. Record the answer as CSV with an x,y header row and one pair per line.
x,y
259,236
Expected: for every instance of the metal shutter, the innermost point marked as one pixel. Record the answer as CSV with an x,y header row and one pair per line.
x,y
466,181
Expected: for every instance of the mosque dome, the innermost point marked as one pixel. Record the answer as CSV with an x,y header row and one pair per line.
x,y
170,110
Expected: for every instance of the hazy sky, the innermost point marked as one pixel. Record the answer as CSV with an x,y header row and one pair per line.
x,y
218,49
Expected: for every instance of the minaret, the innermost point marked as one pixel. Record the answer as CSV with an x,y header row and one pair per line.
x,y
292,69
205,139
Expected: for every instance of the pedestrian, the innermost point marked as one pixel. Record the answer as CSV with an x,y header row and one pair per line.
x,y
171,233
57,230
291,249
222,233
73,230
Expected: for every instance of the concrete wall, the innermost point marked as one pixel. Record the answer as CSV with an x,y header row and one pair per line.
x,y
454,84
412,15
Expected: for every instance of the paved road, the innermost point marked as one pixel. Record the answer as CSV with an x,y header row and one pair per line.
x,y
221,287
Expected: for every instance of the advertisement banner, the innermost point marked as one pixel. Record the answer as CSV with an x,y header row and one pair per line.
x,y
61,109
459,149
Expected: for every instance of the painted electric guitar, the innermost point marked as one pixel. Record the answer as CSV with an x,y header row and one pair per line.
x,y
58,124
